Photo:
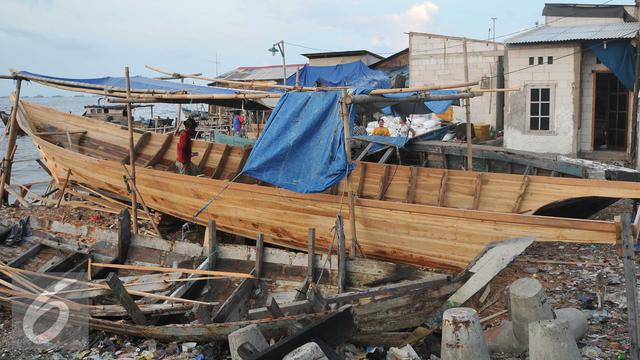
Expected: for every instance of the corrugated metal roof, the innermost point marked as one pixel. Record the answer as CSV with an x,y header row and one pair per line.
x,y
546,33
259,73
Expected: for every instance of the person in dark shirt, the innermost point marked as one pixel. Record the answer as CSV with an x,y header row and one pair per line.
x,y
183,160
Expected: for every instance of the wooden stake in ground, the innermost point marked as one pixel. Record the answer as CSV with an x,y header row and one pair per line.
x,y
631,288
467,108
347,147
132,154
13,134
64,188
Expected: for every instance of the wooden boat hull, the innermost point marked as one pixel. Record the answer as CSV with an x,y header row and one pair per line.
x,y
390,228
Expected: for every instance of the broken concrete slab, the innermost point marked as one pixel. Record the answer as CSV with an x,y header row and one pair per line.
x,y
462,336
528,303
248,334
308,351
551,340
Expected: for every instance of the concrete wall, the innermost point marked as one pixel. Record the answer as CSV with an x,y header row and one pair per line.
x,y
589,66
563,76
331,61
579,21
436,59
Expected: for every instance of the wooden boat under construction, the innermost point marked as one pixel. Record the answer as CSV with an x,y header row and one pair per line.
x,y
423,216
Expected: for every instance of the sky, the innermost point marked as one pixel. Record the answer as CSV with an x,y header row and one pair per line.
x,y
94,38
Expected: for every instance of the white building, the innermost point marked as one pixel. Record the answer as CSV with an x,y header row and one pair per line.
x,y
342,57
570,102
437,59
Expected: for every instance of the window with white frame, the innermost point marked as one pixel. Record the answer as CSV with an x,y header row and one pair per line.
x,y
540,107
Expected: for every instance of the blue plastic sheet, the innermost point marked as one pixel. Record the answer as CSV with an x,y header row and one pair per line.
x,y
356,74
427,107
302,145
138,83
382,142
619,56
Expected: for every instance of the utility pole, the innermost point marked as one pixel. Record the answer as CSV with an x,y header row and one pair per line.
x,y
493,31
274,50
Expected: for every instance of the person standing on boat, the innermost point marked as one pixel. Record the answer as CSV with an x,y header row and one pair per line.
x,y
381,130
183,161
238,124
405,129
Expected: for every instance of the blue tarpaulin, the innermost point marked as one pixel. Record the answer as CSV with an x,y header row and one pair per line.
x,y
427,107
138,83
356,74
302,145
382,142
619,56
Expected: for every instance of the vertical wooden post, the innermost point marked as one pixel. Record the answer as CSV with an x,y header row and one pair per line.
x,y
13,134
179,117
630,283
347,147
467,108
259,255
311,254
125,299
64,188
132,154
342,258
124,235
297,77
210,244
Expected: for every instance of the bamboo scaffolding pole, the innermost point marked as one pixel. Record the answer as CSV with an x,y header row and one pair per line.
x,y
132,155
173,270
13,134
144,205
465,84
467,107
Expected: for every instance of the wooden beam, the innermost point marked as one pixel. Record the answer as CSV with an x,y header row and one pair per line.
x,y
143,140
274,309
467,108
243,160
47,133
19,198
124,236
64,187
387,154
5,178
411,186
629,265
25,256
224,156
364,152
443,187
236,306
383,184
132,153
259,255
311,254
361,177
342,257
173,270
144,204
346,127
521,193
314,296
125,300
205,156
476,193
157,157
203,313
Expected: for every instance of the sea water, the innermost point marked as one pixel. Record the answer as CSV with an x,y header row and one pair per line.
x,y
29,171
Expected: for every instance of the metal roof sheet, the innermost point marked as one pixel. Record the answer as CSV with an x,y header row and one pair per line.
x,y
546,33
259,73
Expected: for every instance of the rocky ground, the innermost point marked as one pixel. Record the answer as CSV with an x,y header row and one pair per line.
x,y
572,274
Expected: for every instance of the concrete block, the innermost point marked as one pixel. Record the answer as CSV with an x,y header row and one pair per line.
x,y
250,334
551,340
462,336
576,319
308,351
528,303
501,339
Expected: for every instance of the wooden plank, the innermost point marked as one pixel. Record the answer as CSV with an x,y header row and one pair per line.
x,y
387,154
125,300
21,259
224,156
274,309
157,157
383,184
48,133
259,255
143,140
64,187
235,308
521,193
18,197
443,187
124,236
204,158
411,186
364,152
203,313
243,160
629,265
147,309
311,248
316,299
173,270
478,190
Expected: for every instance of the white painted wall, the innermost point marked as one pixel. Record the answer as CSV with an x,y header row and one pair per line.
x,y
437,59
564,76
331,61
589,66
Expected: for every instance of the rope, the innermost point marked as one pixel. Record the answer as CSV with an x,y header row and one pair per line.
x,y
215,197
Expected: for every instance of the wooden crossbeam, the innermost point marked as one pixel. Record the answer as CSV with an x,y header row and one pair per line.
x,y
157,157
443,187
364,152
64,187
243,160
236,306
204,158
521,193
25,256
476,194
411,186
224,156
387,154
384,179
125,299
363,171
259,255
143,140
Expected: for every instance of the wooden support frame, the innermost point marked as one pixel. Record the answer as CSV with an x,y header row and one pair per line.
x,y
143,140
411,185
387,154
521,193
274,309
160,154
235,308
259,255
64,188
342,257
443,187
243,160
142,202
224,156
361,177
205,156
344,109
25,256
311,254
477,191
630,283
314,296
5,179
384,182
125,300
132,153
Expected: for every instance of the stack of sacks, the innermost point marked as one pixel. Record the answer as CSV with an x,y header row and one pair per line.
x,y
420,123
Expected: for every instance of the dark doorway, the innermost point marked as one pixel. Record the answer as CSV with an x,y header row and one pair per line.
x,y
611,113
